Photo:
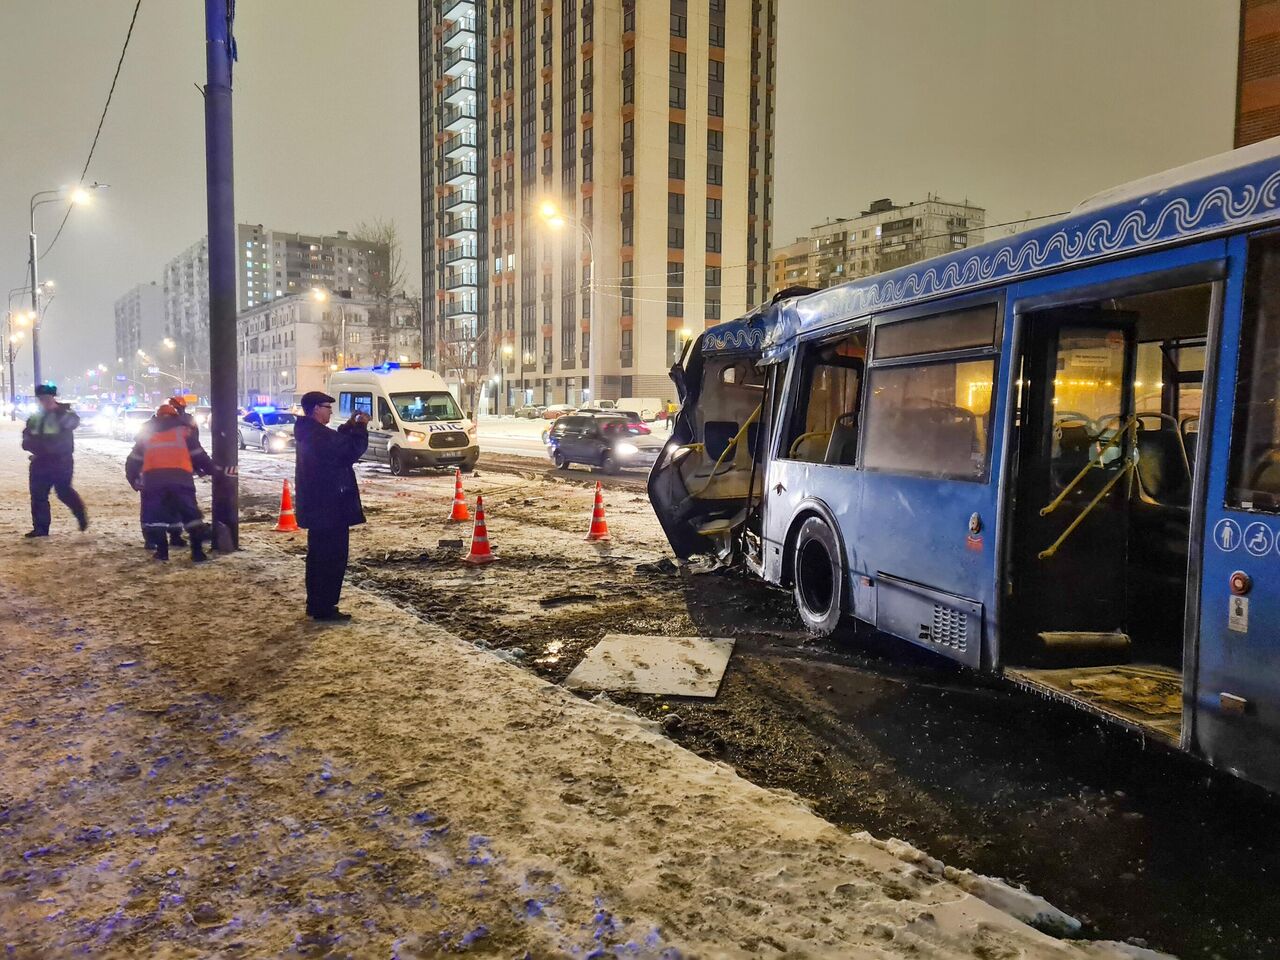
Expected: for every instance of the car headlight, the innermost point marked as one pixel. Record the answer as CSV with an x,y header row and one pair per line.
x,y
414,436
626,449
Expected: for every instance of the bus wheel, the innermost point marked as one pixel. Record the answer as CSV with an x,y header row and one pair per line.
x,y
818,577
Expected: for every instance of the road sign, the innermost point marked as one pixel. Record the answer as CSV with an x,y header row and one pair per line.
x,y
121,377
153,370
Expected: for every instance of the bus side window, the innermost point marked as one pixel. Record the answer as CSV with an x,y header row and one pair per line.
x,y
1254,482
824,421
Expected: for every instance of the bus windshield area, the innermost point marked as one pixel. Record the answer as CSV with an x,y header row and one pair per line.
x,y
425,407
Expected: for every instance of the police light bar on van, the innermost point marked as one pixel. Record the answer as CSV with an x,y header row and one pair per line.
x,y
385,367
264,409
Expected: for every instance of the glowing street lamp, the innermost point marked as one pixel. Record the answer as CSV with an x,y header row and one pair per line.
x,y
556,219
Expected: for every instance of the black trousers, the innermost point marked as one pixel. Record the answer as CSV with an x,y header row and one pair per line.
x,y
327,551
56,477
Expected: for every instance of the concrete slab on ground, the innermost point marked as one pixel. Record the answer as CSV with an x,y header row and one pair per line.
x,y
669,666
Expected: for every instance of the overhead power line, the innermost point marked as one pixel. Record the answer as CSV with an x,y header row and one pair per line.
x,y
101,120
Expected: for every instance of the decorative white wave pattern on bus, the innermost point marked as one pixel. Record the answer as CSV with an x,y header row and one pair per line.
x,y
1176,220
744,337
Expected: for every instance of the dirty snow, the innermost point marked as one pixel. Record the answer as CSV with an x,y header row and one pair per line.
x,y
190,768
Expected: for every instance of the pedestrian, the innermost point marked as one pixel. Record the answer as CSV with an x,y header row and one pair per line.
x,y
49,438
162,465
328,499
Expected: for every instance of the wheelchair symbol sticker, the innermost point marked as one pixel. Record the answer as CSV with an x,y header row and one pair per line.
x,y
1226,534
1258,539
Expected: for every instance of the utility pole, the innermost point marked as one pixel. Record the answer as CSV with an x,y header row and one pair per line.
x,y
219,54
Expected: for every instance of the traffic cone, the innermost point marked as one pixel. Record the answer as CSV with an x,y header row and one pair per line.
x,y
288,522
459,513
480,552
599,527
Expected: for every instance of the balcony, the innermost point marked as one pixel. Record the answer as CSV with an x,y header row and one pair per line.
x,y
457,145
625,356
456,227
460,172
457,308
460,61
460,89
458,10
459,280
458,117
458,34
459,198
459,254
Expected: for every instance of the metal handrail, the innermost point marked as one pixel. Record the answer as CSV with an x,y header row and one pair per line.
x,y
1093,464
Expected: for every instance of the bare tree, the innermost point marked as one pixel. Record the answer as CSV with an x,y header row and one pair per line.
x,y
384,285
465,351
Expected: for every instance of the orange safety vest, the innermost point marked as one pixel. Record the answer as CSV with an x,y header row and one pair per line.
x,y
167,450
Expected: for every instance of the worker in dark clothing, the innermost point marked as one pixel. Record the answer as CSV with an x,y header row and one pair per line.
x,y
328,499
163,464
179,403
48,437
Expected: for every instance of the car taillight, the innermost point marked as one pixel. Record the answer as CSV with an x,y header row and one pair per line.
x,y
639,428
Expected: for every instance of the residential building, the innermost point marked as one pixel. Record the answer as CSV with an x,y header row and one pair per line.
x,y
883,237
272,263
289,345
644,131
1258,72
140,325
186,307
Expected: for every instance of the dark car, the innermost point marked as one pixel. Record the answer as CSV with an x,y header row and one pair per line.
x,y
609,441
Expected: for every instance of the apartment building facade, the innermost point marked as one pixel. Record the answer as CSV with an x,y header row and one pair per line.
x,y
1258,72
273,263
140,325
590,167
186,304
883,237
289,345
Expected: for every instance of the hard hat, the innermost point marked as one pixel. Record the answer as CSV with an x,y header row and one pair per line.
x,y
165,410
177,401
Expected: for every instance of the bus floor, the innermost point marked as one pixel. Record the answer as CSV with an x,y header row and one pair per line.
x,y
1146,697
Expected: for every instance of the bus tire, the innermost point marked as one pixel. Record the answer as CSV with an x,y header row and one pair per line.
x,y
817,576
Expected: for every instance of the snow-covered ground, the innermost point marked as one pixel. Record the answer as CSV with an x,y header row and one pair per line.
x,y
190,768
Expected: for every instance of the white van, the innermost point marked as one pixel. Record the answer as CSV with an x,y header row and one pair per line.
x,y
647,407
413,419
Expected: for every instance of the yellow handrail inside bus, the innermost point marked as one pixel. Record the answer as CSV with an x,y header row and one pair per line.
x,y
731,445
1093,464
795,444
1053,547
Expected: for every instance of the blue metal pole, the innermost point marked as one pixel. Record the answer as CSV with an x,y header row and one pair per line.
x,y
219,54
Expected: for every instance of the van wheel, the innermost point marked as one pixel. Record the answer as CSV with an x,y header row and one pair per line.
x,y
818,577
398,467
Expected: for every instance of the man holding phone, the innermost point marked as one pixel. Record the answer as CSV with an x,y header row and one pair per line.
x,y
328,500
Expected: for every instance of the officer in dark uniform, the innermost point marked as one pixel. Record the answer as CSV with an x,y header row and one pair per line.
x,y
162,465
48,437
328,499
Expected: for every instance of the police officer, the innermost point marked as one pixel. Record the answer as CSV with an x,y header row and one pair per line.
x,y
162,465
328,499
48,437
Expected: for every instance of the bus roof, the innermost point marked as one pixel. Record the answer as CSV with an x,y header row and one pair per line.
x,y
1228,192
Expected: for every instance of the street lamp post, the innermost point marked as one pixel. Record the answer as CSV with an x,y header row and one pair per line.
x,y
554,218
321,295
79,195
171,344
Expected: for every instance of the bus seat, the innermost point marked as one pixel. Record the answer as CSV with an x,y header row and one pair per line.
x,y
1162,465
1072,449
716,435
843,447
1189,430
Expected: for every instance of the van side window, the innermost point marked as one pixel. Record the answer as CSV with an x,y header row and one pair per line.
x,y
385,420
1254,479
932,417
824,422
349,403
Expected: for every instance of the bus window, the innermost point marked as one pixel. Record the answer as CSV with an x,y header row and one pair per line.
x,y
1254,482
824,423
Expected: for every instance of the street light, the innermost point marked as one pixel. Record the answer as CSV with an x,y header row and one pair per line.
x,y
554,218
79,195
321,295
171,344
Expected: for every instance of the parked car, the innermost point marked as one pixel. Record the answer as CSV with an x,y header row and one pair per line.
x,y
606,441
201,416
557,410
267,429
648,407
530,412
129,422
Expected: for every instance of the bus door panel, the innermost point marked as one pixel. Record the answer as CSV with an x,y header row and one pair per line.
x,y
1071,527
1236,723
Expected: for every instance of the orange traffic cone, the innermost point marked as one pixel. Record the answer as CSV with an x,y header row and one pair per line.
x,y
288,523
459,513
480,552
599,527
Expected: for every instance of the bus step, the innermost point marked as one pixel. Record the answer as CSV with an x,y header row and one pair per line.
x,y
1080,646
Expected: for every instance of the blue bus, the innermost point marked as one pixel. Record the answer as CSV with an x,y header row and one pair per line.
x,y
1055,456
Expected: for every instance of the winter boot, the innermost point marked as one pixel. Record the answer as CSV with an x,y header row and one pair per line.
x,y
160,543
198,536
175,538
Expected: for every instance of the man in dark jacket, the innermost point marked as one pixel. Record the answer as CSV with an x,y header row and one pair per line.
x,y
162,465
328,499
48,437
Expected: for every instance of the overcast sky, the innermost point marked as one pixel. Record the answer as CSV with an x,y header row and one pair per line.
x,y
1019,105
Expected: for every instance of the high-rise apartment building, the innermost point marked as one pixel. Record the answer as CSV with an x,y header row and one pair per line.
x,y
884,237
273,263
186,303
140,324
1258,72
559,136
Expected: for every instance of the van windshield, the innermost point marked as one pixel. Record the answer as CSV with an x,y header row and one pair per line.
x,y
424,407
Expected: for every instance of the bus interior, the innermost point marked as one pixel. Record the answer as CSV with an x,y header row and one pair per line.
x,y
1109,403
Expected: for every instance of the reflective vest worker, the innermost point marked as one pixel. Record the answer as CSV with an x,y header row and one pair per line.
x,y
48,437
163,464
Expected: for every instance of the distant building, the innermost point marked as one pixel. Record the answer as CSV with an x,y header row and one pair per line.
x,y
1258,72
883,237
290,344
186,308
273,263
140,325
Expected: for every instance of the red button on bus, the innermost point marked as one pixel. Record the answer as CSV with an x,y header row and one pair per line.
x,y
1241,583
